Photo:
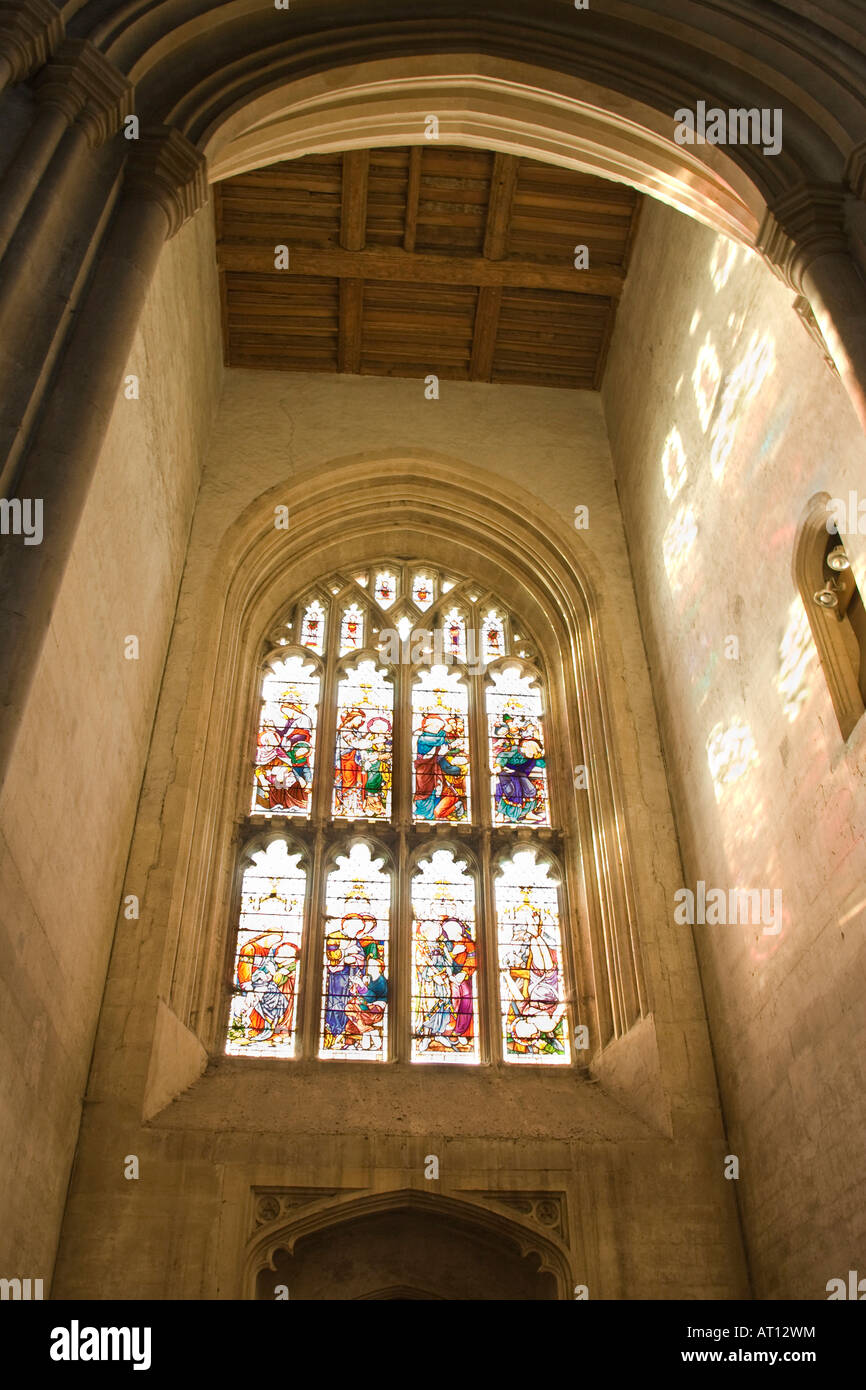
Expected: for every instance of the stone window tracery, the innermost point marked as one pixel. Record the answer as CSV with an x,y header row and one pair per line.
x,y
399,892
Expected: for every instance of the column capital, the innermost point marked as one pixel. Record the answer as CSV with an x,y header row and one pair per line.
x,y
166,168
801,225
87,87
29,30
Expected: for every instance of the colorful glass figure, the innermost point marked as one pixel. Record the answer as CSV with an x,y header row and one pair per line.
x,y
532,993
440,735
493,636
422,591
454,635
362,770
355,981
352,629
262,1019
385,590
517,758
313,627
287,738
443,962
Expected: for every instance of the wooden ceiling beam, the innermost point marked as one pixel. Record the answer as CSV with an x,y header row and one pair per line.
x,y
503,182
353,208
351,323
484,335
413,198
387,263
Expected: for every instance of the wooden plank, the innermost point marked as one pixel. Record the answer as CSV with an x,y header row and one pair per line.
x,y
351,321
413,192
484,337
386,263
353,209
502,186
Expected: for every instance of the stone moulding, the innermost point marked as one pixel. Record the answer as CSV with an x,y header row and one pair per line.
x,y
484,1211
531,559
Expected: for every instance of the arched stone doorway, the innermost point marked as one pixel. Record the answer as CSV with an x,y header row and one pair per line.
x,y
410,1246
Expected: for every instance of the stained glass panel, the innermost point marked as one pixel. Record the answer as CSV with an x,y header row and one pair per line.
x,y
440,737
286,743
313,627
362,771
262,1019
517,754
355,981
422,591
532,993
454,634
385,590
352,629
443,962
492,636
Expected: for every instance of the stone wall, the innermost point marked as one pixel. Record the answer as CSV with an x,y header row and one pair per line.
x,y
70,799
634,1158
724,421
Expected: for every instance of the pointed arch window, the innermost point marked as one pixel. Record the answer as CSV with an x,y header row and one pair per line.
x,y
408,902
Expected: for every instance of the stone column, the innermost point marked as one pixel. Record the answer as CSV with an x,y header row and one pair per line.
x,y
165,184
29,30
79,83
37,277
804,239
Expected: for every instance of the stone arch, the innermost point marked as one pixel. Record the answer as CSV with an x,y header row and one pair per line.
x,y
431,507
512,1241
484,104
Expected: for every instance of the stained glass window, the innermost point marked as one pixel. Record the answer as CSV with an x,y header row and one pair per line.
x,y
355,980
313,627
362,769
287,738
385,590
422,591
532,995
493,636
403,732
267,955
517,753
454,634
444,1027
352,629
440,734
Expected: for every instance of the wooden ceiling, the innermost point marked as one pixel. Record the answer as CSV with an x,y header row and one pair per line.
x,y
428,259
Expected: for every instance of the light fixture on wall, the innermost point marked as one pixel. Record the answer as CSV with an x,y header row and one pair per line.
x,y
827,597
837,559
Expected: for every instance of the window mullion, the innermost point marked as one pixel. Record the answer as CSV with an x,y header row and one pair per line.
x,y
313,953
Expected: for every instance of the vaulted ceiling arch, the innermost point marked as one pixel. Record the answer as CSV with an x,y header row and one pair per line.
x,y
218,70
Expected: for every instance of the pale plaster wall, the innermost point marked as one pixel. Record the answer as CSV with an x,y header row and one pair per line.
x,y
69,802
787,1011
639,1155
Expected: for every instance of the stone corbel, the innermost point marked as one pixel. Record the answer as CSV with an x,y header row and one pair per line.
x,y
801,226
86,87
166,168
29,31
804,239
